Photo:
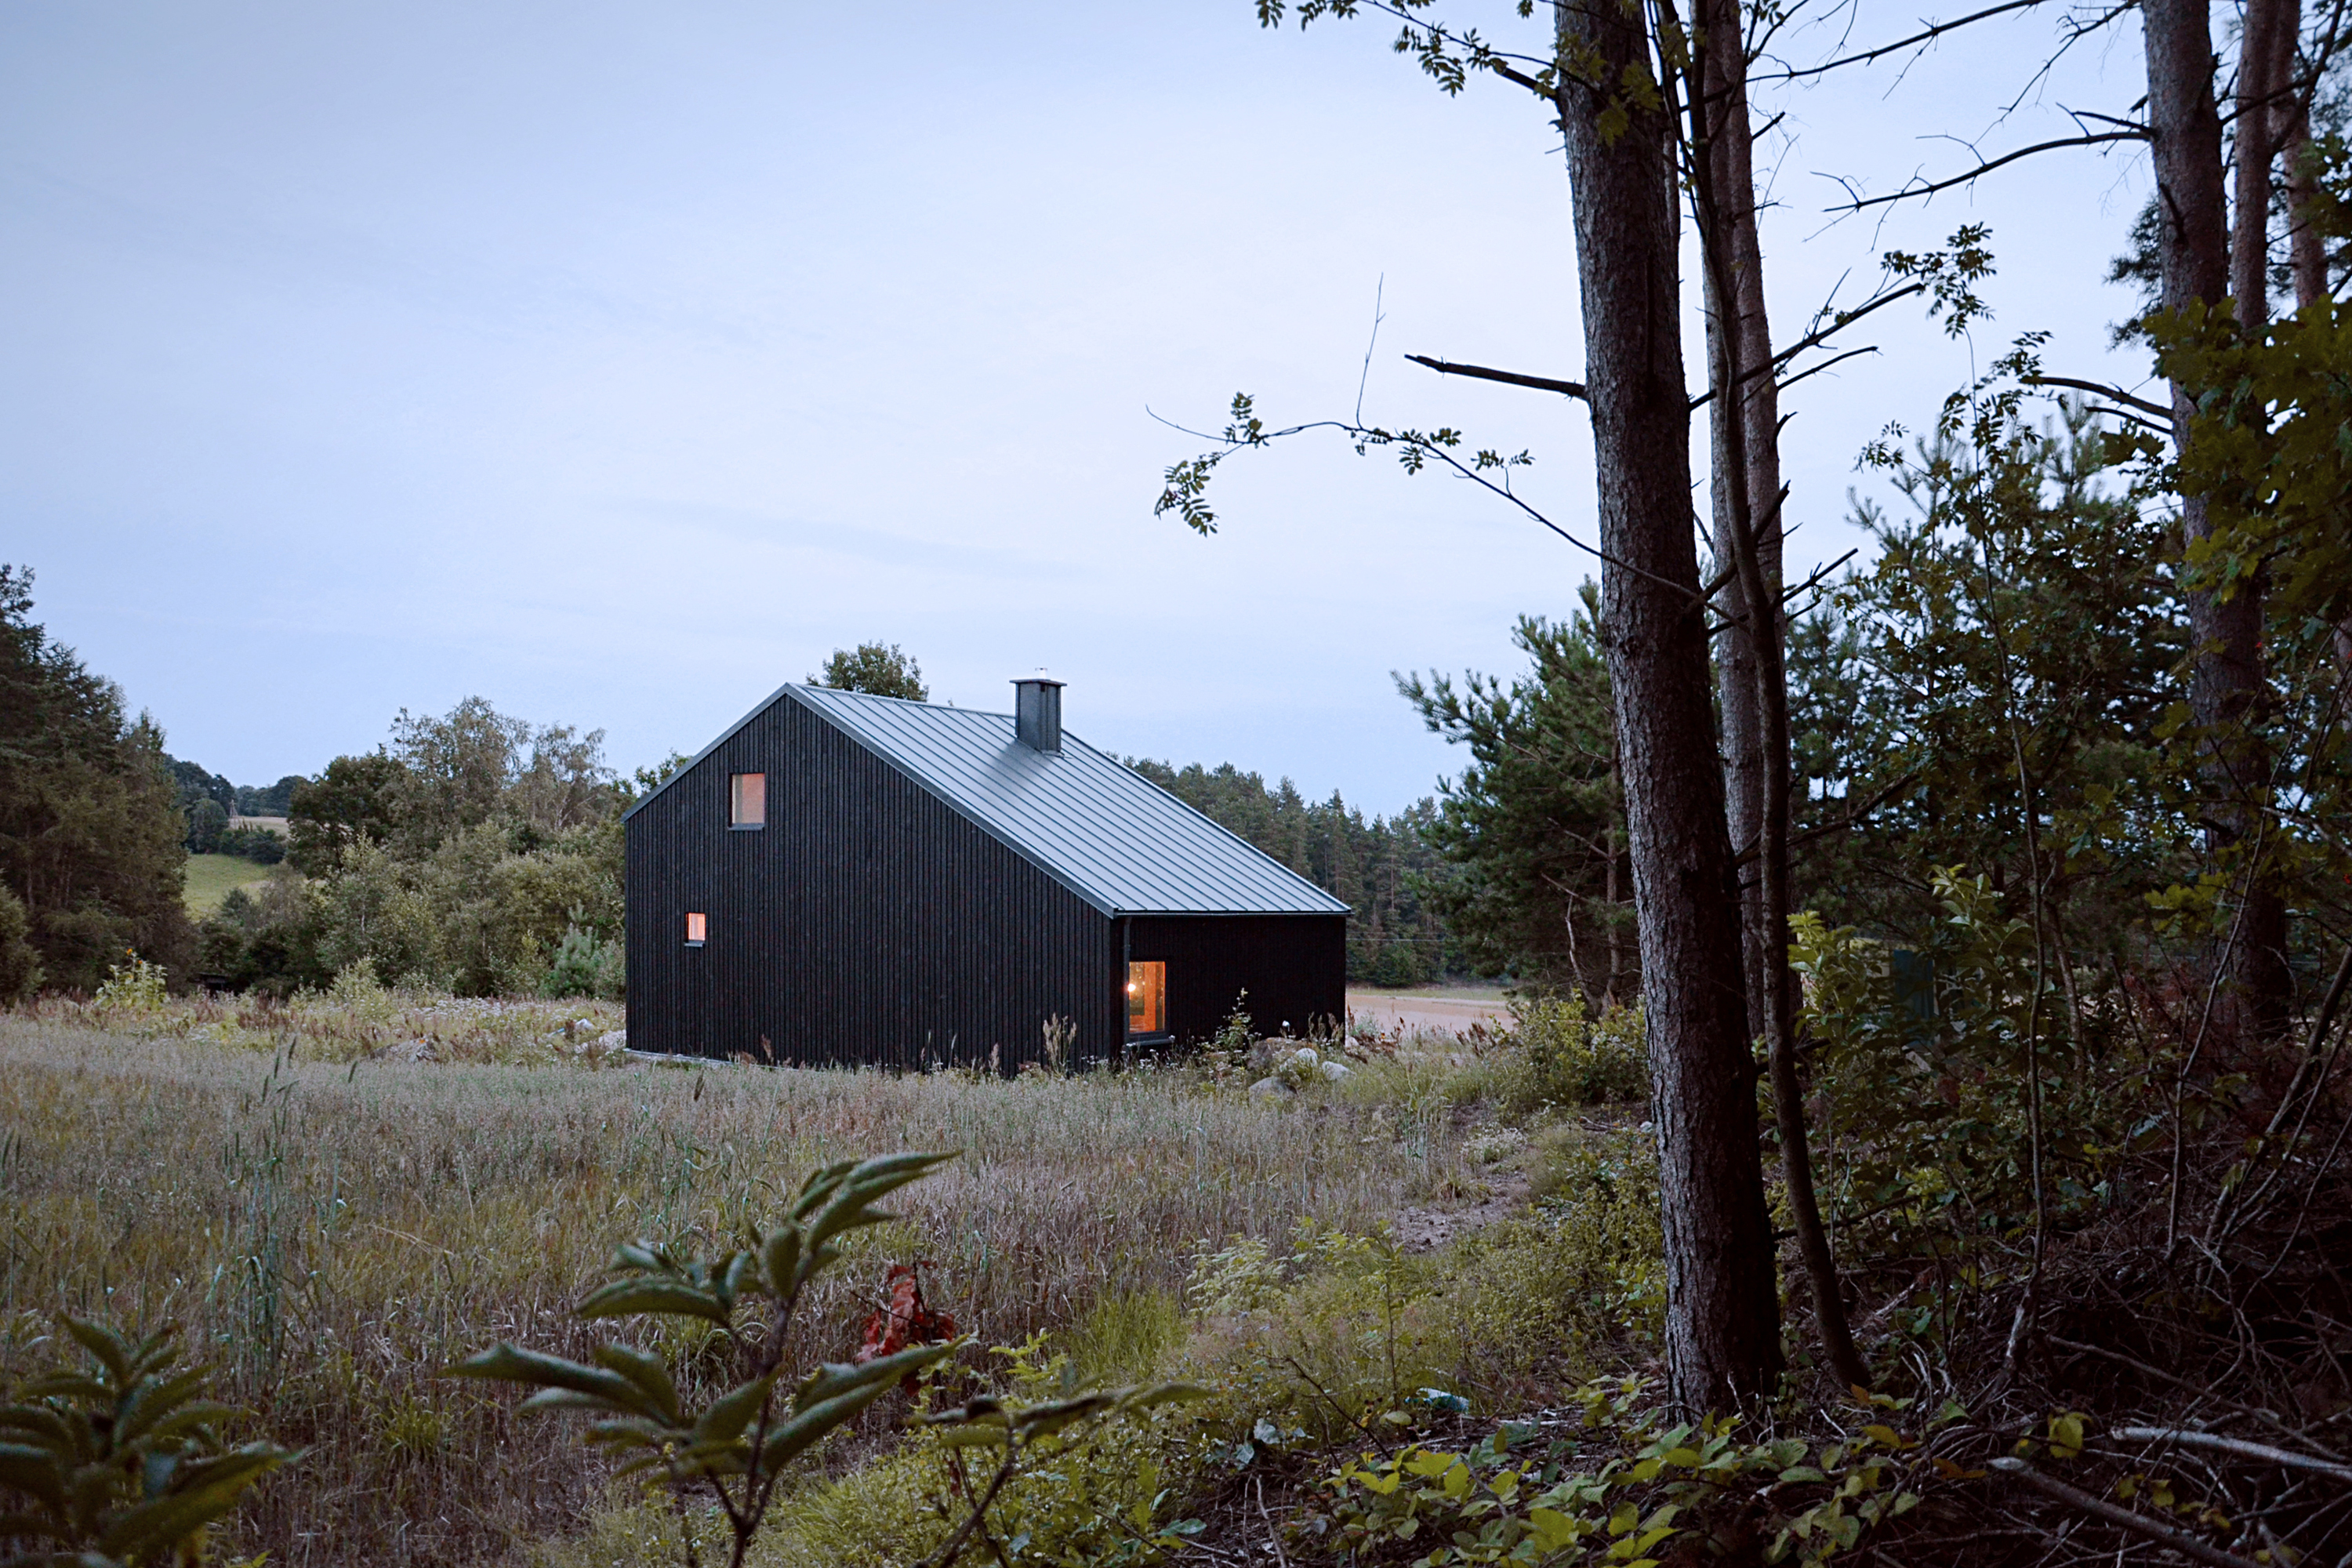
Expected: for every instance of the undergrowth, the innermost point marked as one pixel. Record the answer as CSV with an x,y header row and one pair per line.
x,y
327,1227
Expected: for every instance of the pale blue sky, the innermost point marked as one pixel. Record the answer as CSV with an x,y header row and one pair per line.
x,y
617,363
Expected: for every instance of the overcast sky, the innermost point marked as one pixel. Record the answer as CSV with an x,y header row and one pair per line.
x,y
618,363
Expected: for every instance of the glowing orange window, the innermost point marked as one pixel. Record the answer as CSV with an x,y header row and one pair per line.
x,y
1147,997
746,800
697,930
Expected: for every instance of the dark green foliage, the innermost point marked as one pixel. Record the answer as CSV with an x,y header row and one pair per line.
x,y
91,835
2268,453
207,800
261,846
1927,1064
122,1464
1533,828
878,669
1626,1484
462,855
1381,866
206,823
351,802
733,1450
20,963
268,940
2012,649
196,784
269,799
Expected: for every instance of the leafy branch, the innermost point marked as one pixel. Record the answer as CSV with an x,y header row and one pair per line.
x,y
124,1464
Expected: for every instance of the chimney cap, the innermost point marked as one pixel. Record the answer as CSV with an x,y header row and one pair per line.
x,y
1037,711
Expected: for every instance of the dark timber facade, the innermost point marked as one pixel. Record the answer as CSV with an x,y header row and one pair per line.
x,y
843,878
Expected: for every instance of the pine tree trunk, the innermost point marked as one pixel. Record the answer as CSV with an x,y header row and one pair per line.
x,y
1757,409
2226,675
1722,1302
1754,673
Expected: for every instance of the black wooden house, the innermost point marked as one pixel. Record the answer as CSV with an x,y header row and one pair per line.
x,y
845,878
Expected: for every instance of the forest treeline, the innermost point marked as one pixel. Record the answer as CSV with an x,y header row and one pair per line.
x,y
477,853
1384,868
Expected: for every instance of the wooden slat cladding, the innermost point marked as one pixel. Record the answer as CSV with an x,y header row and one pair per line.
x,y
865,923
1292,966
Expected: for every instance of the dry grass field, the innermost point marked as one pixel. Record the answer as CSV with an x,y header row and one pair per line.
x,y
335,1200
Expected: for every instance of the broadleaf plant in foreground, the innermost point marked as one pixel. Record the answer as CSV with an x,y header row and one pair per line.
x,y
733,1451
121,1465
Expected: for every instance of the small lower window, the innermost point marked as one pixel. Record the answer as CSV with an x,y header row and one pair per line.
x,y
697,930
1147,997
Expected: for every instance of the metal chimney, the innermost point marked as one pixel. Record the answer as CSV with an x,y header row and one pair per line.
x,y
1037,711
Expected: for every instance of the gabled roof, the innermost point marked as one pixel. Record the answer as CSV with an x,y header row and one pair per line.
x,y
1112,837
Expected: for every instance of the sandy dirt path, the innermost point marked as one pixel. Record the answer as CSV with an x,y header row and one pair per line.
x,y
1438,1013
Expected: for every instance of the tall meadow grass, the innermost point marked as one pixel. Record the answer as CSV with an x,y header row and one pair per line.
x,y
327,1234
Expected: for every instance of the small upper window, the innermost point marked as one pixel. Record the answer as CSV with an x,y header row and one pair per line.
x,y
746,800
697,930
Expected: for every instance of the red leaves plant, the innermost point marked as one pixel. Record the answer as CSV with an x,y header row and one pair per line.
x,y
906,1320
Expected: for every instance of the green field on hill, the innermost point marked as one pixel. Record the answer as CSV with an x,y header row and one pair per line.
x,y
210,878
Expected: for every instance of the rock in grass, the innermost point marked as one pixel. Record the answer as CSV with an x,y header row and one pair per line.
x,y
1270,1089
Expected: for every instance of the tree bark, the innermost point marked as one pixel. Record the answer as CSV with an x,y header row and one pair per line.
x,y
2225,679
2290,131
1747,417
2264,979
1754,672
1722,1303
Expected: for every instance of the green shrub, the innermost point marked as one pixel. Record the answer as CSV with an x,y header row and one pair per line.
x,y
1925,1072
265,938
1567,1058
1349,1338
585,964
258,845
1620,1490
207,820
1098,1493
132,993
20,960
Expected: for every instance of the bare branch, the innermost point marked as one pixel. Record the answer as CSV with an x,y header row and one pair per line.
x,y
1838,322
1853,818
2092,139
2138,1523
2113,394
1826,365
1508,377
1933,31
2189,1437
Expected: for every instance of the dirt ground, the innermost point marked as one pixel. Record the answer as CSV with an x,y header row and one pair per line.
x,y
1434,1011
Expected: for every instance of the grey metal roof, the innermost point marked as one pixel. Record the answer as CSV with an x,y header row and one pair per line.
x,y
1111,835
1104,831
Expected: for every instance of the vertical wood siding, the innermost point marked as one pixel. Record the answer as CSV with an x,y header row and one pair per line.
x,y
1294,968
867,923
